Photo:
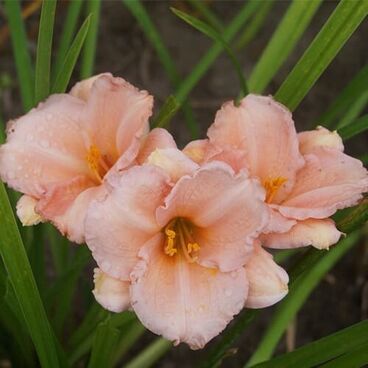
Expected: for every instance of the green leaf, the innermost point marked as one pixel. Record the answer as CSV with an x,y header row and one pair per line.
x,y
89,48
21,54
292,26
104,343
21,277
255,24
167,111
336,31
212,33
322,350
298,294
355,218
211,18
44,47
354,110
247,11
152,34
354,129
70,25
150,355
355,88
354,359
70,60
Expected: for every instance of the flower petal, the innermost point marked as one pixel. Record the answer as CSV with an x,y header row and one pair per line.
x,y
117,227
112,294
157,138
329,181
267,281
26,211
45,146
183,301
264,129
196,150
173,161
319,233
82,89
227,212
320,137
117,115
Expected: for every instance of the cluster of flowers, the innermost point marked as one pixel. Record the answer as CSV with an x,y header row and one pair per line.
x,y
179,235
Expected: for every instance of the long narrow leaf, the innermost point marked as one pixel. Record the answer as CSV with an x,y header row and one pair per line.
x,y
334,34
21,277
354,89
167,111
89,49
71,57
354,110
355,128
320,351
44,46
21,54
298,293
212,33
70,25
282,43
210,17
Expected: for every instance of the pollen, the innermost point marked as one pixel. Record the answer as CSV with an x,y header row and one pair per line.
x,y
272,186
170,248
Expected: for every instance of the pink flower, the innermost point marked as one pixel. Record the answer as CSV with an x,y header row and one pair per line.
x,y
307,177
60,153
175,241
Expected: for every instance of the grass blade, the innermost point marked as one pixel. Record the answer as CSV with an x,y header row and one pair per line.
x,y
255,24
89,49
212,33
150,355
292,26
167,111
356,358
70,25
21,277
336,31
346,98
211,18
298,294
67,68
44,47
103,347
20,49
322,350
354,129
354,110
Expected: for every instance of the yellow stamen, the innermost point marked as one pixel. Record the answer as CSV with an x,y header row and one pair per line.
x,y
272,186
170,242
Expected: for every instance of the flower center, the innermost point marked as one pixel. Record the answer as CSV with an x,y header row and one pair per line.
x,y
96,163
179,239
272,185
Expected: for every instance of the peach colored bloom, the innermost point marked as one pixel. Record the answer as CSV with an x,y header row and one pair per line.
x,y
307,176
180,240
60,153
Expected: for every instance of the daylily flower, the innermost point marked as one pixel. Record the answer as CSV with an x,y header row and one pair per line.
x,y
176,242
60,153
307,177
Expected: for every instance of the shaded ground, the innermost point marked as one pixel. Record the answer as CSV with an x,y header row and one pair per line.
x,y
124,50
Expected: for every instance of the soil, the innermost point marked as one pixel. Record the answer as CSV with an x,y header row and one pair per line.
x,y
342,297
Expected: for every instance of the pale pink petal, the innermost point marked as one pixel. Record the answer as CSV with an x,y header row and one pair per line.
x,y
320,137
45,146
157,138
268,282
264,129
183,301
319,233
117,227
227,212
196,150
82,89
173,161
65,205
329,181
117,115
26,211
112,294
278,223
